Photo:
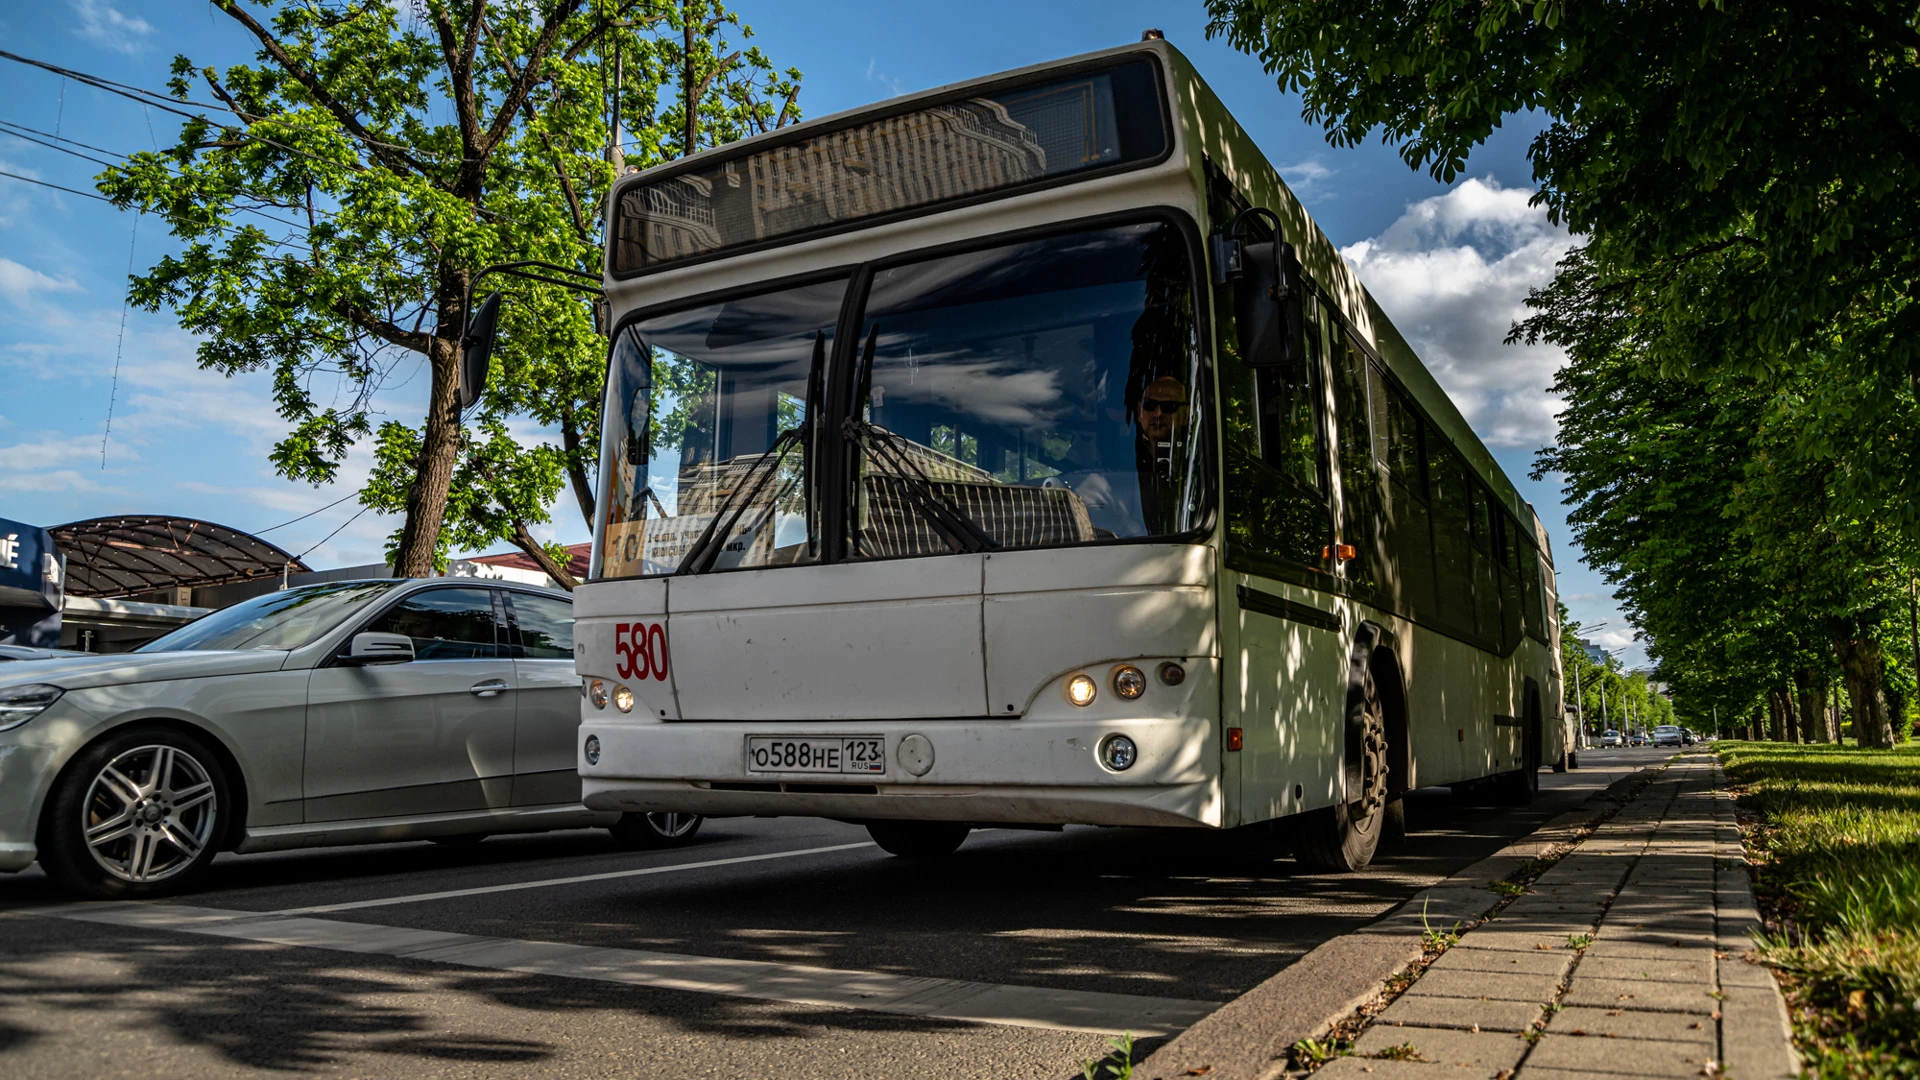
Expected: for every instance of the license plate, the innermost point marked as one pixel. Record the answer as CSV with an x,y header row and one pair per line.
x,y
839,754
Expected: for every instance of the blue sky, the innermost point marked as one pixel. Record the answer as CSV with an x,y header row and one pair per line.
x,y
1449,262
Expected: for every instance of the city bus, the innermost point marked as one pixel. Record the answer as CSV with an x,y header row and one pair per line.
x,y
1019,453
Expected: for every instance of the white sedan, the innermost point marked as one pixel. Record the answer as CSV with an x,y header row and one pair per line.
x,y
342,713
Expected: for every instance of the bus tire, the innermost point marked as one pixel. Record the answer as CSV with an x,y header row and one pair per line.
x,y
1342,838
1564,763
919,839
1573,759
1517,788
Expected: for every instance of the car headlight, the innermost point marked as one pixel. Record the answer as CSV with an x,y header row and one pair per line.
x,y
19,704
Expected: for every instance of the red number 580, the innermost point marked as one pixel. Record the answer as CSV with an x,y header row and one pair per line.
x,y
642,650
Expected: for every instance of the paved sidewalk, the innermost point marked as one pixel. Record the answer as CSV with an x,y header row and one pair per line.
x,y
1626,958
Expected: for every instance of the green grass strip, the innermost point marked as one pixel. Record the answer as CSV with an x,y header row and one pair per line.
x,y
1835,839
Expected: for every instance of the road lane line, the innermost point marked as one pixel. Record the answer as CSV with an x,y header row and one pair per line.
x,y
416,898
796,984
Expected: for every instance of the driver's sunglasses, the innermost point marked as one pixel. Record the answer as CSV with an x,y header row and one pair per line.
x,y
1159,406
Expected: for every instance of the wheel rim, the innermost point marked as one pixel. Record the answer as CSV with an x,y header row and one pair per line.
x,y
673,826
149,813
1373,754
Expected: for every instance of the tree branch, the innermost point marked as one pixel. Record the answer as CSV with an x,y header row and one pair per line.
x,y
388,155
416,340
522,86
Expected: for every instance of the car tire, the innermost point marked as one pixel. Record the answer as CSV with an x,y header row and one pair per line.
x,y
656,830
138,814
919,839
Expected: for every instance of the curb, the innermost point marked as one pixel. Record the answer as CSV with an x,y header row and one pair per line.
x,y
1252,1036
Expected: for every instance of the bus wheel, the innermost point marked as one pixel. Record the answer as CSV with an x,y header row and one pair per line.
x,y
919,839
1517,788
1564,763
1342,838
1573,760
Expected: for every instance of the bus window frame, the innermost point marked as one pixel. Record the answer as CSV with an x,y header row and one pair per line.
x,y
773,140
832,458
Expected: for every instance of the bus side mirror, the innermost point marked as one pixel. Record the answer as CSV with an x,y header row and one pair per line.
x,y
476,347
1268,298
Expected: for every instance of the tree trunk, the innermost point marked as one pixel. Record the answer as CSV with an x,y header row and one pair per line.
x,y
1860,666
1813,706
576,475
439,449
524,540
1776,719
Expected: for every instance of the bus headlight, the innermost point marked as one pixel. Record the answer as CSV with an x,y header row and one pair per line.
x,y
623,699
1118,753
1081,690
597,693
1129,682
593,750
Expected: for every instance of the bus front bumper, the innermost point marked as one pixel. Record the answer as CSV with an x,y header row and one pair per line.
x,y
1012,772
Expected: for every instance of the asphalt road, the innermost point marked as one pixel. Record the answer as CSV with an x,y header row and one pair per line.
x,y
1008,960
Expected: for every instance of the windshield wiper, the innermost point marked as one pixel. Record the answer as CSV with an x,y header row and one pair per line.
x,y
707,549
956,527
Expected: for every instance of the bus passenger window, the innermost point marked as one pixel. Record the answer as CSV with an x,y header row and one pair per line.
x,y
1362,498
1452,539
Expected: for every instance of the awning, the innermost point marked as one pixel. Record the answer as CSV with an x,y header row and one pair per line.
x,y
124,556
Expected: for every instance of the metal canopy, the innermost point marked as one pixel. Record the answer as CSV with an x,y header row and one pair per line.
x,y
123,556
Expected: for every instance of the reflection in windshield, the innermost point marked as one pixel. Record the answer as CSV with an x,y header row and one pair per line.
x,y
280,620
1045,389
696,400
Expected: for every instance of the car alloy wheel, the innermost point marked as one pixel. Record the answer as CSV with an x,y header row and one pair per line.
x,y
149,813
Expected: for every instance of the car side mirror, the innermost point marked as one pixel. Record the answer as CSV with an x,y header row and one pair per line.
x,y
371,647
1268,302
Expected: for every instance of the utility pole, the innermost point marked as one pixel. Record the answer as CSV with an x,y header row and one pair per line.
x,y
1579,705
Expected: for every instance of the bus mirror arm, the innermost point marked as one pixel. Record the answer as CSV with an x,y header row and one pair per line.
x,y
1265,277
476,341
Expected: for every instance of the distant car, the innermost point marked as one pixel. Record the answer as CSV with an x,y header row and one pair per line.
x,y
1687,737
1636,739
1668,735
29,652
349,712
1611,737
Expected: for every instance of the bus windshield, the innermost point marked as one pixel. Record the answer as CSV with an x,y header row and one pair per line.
x,y
1032,394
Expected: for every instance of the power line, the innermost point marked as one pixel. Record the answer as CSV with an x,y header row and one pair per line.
x,y
334,533
126,301
305,516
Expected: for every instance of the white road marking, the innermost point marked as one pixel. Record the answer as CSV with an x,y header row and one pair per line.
x,y
946,999
416,898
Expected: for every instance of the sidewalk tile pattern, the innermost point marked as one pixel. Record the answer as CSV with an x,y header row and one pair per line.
x,y
1630,955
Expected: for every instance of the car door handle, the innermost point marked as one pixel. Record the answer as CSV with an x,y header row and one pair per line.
x,y
490,688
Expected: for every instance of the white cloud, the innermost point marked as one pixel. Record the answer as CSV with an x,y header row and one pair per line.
x,y
18,283
1308,179
874,74
1453,274
108,27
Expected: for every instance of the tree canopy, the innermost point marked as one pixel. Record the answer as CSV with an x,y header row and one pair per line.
x,y
1740,439
336,196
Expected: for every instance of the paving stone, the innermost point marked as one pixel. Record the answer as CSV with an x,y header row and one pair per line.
x,y
1352,1068
1669,970
1463,1013
1486,1049
1636,994
1635,1024
1659,949
1552,962
1738,970
1495,936
1515,986
1756,1035
1618,1057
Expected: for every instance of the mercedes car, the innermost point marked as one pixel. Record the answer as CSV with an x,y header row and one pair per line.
x,y
348,712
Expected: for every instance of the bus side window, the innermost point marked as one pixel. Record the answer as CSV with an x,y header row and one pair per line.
x,y
1396,442
1363,502
1486,575
1452,539
1272,493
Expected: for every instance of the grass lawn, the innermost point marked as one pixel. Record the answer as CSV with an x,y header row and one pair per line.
x,y
1837,853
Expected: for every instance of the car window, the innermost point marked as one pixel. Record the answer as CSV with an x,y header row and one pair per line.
x,y
445,624
546,626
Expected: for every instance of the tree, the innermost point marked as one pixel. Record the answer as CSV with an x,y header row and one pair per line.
x,y
400,149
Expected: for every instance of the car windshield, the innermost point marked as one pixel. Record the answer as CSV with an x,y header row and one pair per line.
x,y
280,620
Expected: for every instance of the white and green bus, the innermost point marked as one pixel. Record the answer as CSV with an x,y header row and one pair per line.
x,y
1020,452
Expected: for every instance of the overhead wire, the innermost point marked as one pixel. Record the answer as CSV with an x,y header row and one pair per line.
x,y
305,516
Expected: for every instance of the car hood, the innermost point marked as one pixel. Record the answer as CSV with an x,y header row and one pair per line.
x,y
121,669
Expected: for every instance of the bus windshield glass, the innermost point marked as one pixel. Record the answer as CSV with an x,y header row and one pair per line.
x,y
1042,391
